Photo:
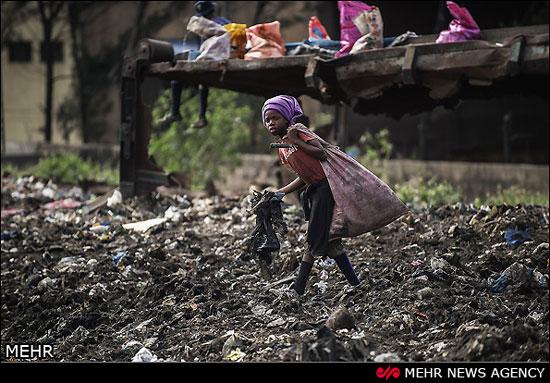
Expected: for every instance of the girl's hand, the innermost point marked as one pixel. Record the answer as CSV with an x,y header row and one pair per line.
x,y
292,135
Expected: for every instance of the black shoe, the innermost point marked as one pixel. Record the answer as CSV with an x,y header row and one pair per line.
x,y
167,120
200,123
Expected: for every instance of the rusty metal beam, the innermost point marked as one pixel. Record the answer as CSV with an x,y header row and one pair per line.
x,y
135,127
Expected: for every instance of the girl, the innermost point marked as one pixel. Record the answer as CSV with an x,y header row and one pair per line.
x,y
341,198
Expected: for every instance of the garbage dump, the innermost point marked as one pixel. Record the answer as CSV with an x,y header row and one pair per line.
x,y
181,284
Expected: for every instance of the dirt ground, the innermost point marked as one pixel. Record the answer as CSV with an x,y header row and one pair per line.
x,y
188,289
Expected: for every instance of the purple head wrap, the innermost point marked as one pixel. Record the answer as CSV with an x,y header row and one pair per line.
x,y
286,105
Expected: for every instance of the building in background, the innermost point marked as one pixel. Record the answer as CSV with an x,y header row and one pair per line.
x,y
24,84
473,130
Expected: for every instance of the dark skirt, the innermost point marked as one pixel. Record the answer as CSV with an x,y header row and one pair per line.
x,y
318,204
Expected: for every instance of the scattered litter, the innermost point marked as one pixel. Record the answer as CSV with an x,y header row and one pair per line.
x,y
387,357
116,259
115,199
173,214
6,212
68,203
517,273
143,226
144,355
192,291
516,236
100,227
235,356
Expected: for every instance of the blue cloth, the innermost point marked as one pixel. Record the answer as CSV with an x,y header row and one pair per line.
x,y
221,20
326,44
204,8
513,236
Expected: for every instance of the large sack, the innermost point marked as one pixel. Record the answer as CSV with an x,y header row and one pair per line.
x,y
217,43
266,41
463,27
349,33
371,26
237,33
362,201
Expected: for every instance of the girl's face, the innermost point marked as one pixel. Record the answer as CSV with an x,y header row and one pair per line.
x,y
275,123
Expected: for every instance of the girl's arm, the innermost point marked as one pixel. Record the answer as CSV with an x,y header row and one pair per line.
x,y
293,186
312,147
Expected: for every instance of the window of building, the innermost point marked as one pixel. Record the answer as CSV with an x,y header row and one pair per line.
x,y
19,51
57,49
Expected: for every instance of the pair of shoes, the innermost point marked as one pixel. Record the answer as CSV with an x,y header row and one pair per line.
x,y
167,120
200,123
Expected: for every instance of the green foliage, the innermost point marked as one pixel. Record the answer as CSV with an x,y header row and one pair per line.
x,y
321,119
8,168
376,147
202,153
418,192
70,168
512,196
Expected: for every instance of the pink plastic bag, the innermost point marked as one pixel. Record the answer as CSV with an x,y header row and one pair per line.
x,y
349,33
61,204
463,27
266,41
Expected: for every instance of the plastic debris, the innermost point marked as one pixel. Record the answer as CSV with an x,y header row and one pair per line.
x,y
235,356
517,273
462,27
217,43
387,357
173,214
68,203
349,33
132,347
143,226
516,236
317,30
115,199
6,212
200,272
144,355
371,26
100,227
118,257
265,41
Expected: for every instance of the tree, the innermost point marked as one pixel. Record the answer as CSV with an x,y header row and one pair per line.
x,y
49,15
95,73
204,153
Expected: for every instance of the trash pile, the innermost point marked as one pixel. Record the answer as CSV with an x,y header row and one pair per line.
x,y
167,277
361,29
